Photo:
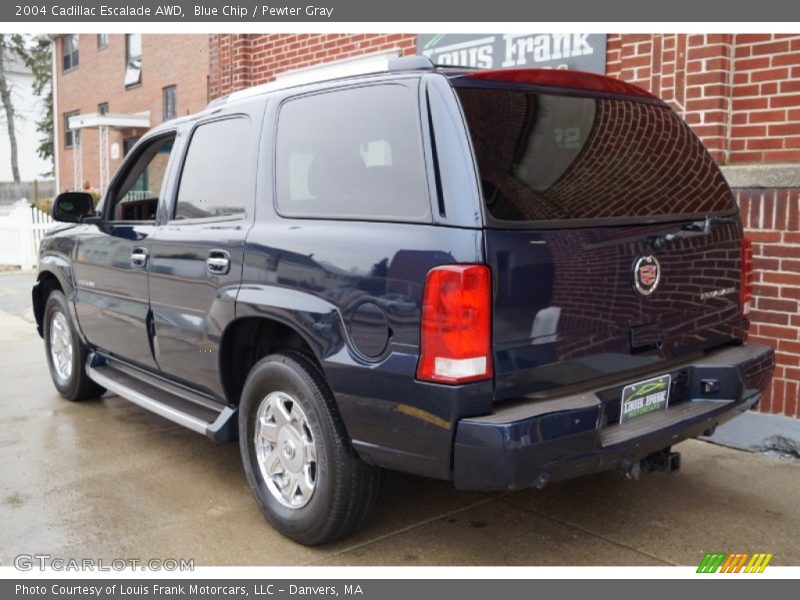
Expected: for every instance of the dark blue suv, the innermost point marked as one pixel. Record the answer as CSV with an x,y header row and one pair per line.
x,y
499,278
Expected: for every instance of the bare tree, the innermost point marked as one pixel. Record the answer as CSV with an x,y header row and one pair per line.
x,y
5,98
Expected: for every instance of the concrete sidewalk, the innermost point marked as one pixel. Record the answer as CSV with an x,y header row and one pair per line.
x,y
106,479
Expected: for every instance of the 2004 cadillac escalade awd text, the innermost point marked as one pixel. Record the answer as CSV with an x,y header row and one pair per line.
x,y
499,278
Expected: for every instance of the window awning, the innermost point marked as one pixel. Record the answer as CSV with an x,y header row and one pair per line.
x,y
103,123
114,120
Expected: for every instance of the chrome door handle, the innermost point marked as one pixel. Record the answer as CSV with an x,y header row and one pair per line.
x,y
218,262
139,258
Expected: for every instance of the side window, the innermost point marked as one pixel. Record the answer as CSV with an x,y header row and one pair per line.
x,y
70,136
135,198
352,153
215,181
69,52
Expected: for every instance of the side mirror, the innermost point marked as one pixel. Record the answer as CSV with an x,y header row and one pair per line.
x,y
74,207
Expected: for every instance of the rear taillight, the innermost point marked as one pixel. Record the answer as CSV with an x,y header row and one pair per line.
x,y
456,325
746,283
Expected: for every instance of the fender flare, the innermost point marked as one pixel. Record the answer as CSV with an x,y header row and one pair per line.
x,y
60,268
316,320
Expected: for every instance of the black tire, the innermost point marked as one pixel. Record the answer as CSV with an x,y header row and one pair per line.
x,y
346,488
74,385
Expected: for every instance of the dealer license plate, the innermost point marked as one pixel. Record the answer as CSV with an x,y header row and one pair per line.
x,y
644,397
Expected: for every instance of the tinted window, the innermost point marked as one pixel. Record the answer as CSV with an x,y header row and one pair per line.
x,y
354,153
549,157
215,180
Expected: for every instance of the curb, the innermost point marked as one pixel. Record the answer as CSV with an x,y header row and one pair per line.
x,y
775,435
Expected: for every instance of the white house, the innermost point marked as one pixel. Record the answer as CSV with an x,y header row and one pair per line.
x,y
29,109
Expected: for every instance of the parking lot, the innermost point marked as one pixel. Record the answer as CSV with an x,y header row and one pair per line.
x,y
106,479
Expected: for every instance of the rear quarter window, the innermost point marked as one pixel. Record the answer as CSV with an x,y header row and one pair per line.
x,y
551,157
353,153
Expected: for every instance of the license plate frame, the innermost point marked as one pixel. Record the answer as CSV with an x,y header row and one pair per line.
x,y
644,397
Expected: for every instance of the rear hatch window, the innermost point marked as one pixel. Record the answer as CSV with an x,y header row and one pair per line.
x,y
611,234
552,157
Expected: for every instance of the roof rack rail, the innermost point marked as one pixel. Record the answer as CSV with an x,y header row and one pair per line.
x,y
411,63
380,62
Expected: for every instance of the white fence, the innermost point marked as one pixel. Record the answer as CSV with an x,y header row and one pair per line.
x,y
22,228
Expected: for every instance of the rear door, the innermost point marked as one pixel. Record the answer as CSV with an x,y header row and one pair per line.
x,y
613,237
196,264
112,259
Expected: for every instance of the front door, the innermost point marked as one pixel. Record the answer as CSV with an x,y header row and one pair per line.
x,y
197,254
111,266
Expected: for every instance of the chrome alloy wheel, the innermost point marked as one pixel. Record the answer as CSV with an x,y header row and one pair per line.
x,y
285,450
61,346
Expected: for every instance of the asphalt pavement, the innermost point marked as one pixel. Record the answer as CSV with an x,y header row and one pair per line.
x,y
106,479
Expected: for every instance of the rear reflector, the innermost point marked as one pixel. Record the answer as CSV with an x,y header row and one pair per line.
x,y
564,78
746,284
455,333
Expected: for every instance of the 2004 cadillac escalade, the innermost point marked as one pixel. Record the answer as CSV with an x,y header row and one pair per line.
x,y
499,278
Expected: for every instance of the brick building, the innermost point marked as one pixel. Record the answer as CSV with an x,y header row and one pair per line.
x,y
115,87
739,92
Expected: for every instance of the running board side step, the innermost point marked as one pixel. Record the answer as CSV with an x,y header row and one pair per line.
x,y
219,424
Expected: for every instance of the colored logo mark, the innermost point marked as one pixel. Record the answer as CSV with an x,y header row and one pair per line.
x,y
734,563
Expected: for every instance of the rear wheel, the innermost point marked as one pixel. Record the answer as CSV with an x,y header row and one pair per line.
x,y
304,474
66,354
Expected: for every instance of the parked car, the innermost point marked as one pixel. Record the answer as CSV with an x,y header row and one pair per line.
x,y
499,278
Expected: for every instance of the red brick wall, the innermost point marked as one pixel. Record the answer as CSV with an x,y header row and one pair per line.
x,y
772,219
740,92
241,60
180,60
766,98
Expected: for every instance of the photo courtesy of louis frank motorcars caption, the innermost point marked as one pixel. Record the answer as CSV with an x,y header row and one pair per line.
x,y
500,278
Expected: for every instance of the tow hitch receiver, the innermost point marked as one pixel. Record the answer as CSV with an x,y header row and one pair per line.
x,y
664,460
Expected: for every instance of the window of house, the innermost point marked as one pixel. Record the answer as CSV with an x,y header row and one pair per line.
x,y
69,51
102,108
70,135
365,163
136,194
170,100
102,40
215,181
133,59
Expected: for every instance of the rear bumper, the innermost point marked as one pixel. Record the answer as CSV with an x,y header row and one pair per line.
x,y
527,443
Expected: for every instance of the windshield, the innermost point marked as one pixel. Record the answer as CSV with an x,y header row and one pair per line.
x,y
544,157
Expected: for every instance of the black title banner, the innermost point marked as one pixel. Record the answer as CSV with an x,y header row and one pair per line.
x,y
469,11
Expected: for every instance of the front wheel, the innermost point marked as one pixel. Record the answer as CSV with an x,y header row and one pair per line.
x,y
302,470
66,354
